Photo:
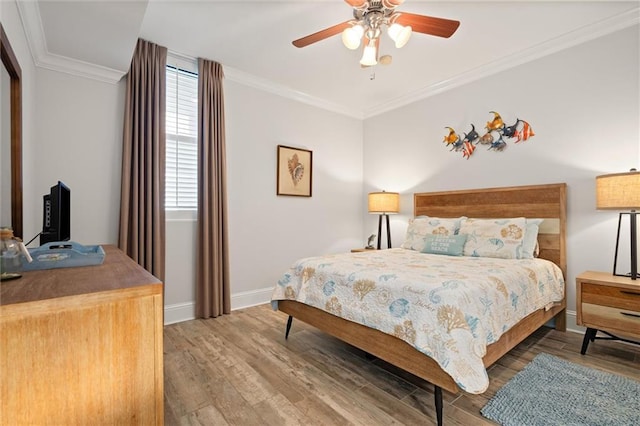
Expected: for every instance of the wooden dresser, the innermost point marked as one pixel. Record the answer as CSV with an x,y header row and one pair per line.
x,y
82,346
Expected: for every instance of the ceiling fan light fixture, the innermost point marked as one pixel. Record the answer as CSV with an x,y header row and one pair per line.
x,y
369,55
351,36
399,34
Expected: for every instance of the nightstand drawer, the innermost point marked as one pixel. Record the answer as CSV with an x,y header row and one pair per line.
x,y
614,297
611,318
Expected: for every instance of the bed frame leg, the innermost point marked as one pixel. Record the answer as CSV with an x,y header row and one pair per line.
x,y
286,333
438,399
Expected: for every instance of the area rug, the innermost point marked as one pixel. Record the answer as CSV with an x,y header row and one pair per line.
x,y
551,391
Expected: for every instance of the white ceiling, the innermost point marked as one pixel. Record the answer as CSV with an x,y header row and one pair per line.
x,y
252,40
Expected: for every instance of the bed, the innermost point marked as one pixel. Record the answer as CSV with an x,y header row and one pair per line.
x,y
547,202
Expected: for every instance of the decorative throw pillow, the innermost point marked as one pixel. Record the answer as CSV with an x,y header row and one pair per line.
x,y
530,242
421,226
451,245
501,238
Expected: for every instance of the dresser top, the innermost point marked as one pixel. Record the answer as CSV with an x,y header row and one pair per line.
x,y
118,271
608,279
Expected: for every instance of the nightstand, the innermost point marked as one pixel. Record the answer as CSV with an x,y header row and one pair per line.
x,y
609,304
358,250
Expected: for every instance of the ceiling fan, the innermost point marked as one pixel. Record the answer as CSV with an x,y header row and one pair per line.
x,y
370,17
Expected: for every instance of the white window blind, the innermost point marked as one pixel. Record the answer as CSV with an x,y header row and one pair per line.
x,y
181,192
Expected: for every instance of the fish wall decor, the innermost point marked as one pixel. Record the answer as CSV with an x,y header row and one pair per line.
x,y
495,138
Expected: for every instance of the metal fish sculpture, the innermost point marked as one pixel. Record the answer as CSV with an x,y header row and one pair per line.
x,y
468,149
472,136
496,136
296,169
457,145
498,145
510,131
524,133
487,138
496,123
452,137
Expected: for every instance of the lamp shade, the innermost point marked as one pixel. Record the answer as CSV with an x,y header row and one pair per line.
x,y
351,36
399,34
384,202
369,55
618,191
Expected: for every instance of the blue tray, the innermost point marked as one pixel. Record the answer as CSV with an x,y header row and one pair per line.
x,y
63,254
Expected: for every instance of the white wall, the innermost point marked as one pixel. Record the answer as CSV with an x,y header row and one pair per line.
x,y
275,230
269,232
583,104
79,139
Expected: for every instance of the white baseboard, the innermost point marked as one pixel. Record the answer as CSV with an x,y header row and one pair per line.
x,y
179,312
187,311
571,323
246,299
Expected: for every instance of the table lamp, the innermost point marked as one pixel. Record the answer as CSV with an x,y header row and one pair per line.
x,y
384,204
621,191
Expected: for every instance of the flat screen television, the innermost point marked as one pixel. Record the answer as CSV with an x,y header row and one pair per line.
x,y
56,214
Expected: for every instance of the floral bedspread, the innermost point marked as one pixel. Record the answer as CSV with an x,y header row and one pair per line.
x,y
450,308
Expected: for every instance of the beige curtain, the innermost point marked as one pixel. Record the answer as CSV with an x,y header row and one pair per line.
x,y
142,219
212,265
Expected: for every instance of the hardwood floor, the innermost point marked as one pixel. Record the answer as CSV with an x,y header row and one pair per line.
x,y
239,370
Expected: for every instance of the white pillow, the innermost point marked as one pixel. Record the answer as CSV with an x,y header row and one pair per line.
x,y
421,226
530,242
501,238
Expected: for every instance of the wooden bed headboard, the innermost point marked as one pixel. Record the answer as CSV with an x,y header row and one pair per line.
x,y
547,202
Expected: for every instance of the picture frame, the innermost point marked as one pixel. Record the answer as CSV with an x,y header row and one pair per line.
x,y
294,171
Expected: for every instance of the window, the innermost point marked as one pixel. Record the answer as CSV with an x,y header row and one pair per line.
x,y
181,181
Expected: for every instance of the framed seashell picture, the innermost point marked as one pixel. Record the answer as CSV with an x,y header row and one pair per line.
x,y
294,171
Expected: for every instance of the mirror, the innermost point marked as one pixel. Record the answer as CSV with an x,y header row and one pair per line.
x,y
11,128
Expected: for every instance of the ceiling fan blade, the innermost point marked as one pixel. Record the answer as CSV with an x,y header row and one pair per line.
x,y
439,27
321,35
355,3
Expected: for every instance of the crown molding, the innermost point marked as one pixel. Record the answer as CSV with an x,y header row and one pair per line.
x,y
269,86
565,41
32,23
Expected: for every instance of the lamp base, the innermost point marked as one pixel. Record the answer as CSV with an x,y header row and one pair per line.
x,y
380,231
633,246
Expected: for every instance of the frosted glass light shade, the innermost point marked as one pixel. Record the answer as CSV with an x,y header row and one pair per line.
x,y
369,55
399,34
618,191
351,36
384,202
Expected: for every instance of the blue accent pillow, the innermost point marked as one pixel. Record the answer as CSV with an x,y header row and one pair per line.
x,y
450,245
420,226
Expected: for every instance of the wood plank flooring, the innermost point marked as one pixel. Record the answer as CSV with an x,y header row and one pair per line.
x,y
239,370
